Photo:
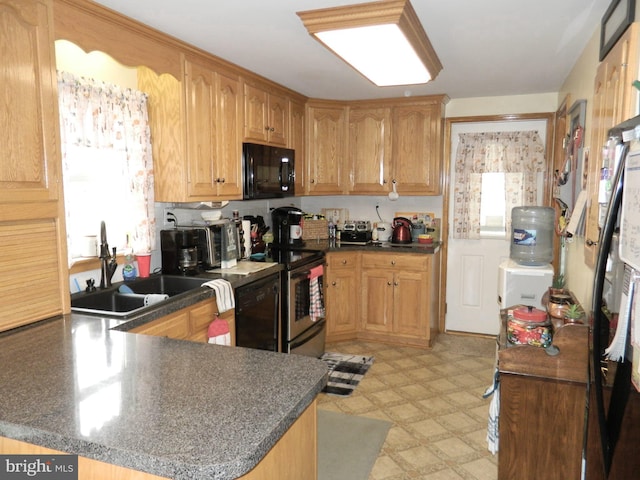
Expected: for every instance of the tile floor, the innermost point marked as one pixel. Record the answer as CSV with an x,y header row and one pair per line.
x,y
433,397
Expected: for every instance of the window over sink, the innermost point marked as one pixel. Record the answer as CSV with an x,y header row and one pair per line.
x,y
107,165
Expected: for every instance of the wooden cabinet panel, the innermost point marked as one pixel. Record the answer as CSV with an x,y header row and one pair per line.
x,y
199,86
377,300
369,150
266,116
33,250
175,325
327,150
29,156
195,129
191,323
410,308
342,287
385,140
417,149
541,428
614,100
297,142
228,133
400,297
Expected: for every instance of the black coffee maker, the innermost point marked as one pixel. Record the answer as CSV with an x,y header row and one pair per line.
x,y
287,227
180,251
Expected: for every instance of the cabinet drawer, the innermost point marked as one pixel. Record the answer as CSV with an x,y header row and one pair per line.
x,y
406,261
173,326
337,260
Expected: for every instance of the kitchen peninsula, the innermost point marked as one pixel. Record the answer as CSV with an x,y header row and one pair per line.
x,y
170,408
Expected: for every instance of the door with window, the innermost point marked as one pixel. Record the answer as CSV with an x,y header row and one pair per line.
x,y
508,170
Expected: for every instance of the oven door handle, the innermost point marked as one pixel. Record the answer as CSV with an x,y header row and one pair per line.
x,y
312,332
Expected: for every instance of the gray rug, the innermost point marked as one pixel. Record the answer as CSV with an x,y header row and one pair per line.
x,y
348,445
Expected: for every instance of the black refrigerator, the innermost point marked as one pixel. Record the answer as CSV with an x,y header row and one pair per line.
x,y
614,407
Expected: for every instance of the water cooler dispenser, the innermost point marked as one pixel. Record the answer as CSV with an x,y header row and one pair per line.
x,y
523,285
526,276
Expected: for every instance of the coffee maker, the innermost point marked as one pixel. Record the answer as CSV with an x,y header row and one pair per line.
x,y
180,251
287,227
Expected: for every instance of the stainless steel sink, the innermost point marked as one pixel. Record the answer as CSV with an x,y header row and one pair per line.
x,y
113,303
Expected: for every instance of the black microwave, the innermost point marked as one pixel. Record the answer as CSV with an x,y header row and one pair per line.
x,y
268,172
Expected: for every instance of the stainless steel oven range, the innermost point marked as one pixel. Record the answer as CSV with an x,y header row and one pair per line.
x,y
303,323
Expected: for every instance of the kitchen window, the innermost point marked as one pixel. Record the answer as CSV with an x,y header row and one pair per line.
x,y
107,164
494,172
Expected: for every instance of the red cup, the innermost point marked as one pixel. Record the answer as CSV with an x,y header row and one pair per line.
x,y
144,264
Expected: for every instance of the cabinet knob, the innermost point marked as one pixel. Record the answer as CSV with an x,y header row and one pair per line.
x,y
591,243
395,284
384,181
333,283
389,283
393,262
344,262
272,129
313,181
266,128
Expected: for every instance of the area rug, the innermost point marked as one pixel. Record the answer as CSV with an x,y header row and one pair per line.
x,y
348,445
345,372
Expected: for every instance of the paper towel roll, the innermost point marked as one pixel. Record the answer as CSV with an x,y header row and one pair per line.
x,y
246,228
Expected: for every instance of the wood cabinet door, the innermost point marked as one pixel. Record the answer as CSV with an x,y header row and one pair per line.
x,y
342,287
614,101
377,300
416,143
327,149
277,119
29,123
200,94
175,325
369,150
297,143
228,132
255,114
410,304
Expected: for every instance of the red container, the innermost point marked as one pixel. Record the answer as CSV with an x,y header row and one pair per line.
x,y
529,326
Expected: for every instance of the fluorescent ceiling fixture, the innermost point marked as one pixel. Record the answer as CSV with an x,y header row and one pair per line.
x,y
383,40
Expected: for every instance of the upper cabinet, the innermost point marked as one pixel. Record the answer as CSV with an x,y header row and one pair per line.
x,y
327,148
195,132
213,143
30,169
29,150
266,116
369,154
417,147
383,141
297,142
614,100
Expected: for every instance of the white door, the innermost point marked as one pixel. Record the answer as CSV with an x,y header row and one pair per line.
x,y
472,265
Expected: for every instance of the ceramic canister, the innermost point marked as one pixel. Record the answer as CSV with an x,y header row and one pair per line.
x,y
527,325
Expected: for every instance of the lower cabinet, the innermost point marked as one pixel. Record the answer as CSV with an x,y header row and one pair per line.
x,y
342,291
191,323
388,297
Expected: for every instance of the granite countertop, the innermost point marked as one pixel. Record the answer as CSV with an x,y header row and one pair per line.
x,y
336,246
172,408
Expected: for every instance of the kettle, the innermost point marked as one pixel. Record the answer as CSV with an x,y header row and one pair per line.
x,y
401,230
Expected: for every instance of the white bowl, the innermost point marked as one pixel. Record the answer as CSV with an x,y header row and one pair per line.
x,y
211,215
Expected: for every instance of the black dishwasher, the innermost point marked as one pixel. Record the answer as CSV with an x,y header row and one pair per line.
x,y
258,314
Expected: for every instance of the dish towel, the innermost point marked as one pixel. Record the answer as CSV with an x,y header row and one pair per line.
x,y
219,332
224,294
493,436
316,306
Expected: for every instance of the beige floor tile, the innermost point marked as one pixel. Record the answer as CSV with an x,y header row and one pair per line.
x,y
433,397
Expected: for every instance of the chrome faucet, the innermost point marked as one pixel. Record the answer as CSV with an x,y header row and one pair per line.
x,y
108,262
